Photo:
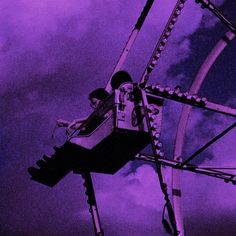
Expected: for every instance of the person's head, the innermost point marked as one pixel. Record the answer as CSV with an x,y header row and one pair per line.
x,y
119,78
96,96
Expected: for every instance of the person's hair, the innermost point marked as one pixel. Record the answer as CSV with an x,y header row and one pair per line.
x,y
119,78
99,93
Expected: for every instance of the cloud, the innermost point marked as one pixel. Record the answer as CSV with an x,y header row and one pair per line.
x,y
38,38
207,199
52,54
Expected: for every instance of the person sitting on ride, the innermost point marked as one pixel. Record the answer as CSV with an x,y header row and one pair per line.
x,y
121,78
96,96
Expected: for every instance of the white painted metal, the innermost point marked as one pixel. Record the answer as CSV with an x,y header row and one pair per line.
x,y
130,41
201,75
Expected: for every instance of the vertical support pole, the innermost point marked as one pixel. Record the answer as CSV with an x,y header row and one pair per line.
x,y
154,135
88,184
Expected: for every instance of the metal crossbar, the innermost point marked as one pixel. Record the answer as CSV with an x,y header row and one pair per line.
x,y
209,171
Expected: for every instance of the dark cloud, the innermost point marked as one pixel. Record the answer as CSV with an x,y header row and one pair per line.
x,y
52,53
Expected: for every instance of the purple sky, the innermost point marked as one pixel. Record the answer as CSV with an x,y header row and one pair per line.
x,y
52,54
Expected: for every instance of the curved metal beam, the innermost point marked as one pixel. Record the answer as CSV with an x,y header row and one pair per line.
x,y
194,89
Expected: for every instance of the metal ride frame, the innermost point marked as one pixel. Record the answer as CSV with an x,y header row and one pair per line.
x,y
188,98
153,119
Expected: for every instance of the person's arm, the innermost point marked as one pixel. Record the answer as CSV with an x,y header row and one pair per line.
x,y
75,124
62,123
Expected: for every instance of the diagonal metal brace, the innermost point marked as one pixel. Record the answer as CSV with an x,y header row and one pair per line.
x,y
208,144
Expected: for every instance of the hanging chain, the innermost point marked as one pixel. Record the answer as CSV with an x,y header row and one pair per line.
x,y
162,40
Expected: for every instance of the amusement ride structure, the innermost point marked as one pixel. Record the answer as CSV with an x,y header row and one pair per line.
x,y
131,118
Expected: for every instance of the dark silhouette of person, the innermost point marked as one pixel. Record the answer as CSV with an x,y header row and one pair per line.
x,y
96,96
120,78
